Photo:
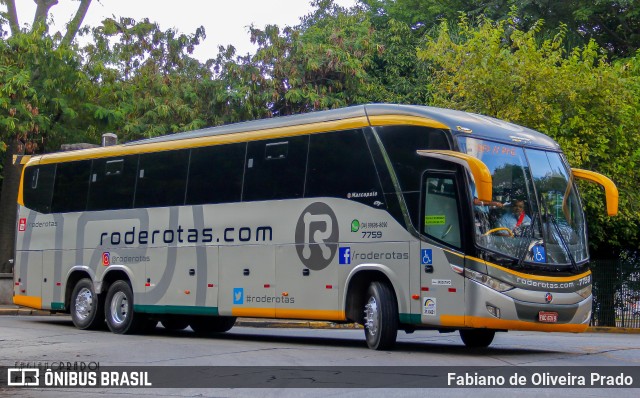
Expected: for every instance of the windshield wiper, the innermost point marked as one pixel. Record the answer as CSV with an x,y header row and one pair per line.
x,y
564,243
528,238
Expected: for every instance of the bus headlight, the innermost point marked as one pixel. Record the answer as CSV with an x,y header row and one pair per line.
x,y
585,292
486,280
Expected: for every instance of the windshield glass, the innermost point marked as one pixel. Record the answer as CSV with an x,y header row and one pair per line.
x,y
535,215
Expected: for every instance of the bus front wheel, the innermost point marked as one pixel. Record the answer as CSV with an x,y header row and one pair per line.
x,y
380,317
477,338
86,306
118,309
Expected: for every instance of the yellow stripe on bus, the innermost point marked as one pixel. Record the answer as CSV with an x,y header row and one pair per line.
x,y
279,132
252,135
254,312
324,315
321,315
386,120
529,276
28,301
494,323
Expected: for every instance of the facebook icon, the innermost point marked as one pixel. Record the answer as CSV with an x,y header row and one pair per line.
x,y
344,255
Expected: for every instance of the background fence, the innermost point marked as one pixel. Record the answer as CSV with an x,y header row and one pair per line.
x,y
616,293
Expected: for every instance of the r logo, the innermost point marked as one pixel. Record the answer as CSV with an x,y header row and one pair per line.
x,y
317,236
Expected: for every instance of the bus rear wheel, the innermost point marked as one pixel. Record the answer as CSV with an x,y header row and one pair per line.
x,y
86,306
205,325
380,317
121,319
477,338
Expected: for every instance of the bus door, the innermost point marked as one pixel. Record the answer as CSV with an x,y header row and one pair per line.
x,y
441,259
28,279
247,276
304,292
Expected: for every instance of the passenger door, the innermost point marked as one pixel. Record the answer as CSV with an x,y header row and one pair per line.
x,y
442,281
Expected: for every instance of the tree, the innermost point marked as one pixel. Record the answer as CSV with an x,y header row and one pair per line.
x,y
590,106
146,82
321,64
40,89
613,24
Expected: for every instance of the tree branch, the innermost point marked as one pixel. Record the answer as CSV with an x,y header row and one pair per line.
x,y
76,22
12,14
42,11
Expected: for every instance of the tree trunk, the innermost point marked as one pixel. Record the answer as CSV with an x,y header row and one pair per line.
x,y
12,15
74,25
42,10
8,206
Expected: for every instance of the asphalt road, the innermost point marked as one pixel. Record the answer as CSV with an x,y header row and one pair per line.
x,y
53,339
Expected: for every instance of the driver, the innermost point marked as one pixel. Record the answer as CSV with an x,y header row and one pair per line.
x,y
515,218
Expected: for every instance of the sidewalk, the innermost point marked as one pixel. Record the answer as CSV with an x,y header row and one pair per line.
x,y
10,309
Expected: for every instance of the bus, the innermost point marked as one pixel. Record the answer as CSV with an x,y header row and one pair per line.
x,y
395,217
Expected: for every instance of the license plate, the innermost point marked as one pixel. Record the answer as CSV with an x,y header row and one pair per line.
x,y
548,317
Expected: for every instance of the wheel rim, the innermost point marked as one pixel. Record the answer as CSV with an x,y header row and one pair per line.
x,y
84,303
371,316
119,308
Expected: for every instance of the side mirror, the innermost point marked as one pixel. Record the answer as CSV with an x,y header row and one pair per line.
x,y
479,170
610,189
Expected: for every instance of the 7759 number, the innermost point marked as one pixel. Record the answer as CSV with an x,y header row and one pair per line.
x,y
372,234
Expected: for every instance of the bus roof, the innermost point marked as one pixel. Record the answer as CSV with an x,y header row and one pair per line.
x,y
470,124
359,116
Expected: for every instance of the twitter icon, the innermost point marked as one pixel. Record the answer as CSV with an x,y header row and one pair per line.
x,y
238,295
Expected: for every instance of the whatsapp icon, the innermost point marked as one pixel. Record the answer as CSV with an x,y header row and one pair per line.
x,y
355,225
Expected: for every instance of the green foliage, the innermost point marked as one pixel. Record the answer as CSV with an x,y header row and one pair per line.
x,y
41,91
146,83
591,107
613,24
322,66
138,80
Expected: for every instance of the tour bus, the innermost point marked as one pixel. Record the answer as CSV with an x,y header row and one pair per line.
x,y
391,216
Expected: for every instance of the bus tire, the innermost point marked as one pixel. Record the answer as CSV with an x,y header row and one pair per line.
x,y
86,306
205,325
477,338
380,317
118,310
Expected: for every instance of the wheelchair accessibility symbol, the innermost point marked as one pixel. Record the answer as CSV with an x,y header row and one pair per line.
x,y
426,256
539,255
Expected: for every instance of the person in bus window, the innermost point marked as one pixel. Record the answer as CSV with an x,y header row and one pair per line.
x,y
516,217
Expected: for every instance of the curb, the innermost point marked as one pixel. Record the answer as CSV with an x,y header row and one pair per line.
x,y
15,310
267,323
609,329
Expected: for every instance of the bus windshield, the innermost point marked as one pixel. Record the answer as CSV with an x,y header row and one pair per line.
x,y
535,216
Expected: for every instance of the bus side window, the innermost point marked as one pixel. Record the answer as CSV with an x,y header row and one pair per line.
x,y
274,169
401,144
112,183
38,187
215,174
441,219
340,166
71,186
162,179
